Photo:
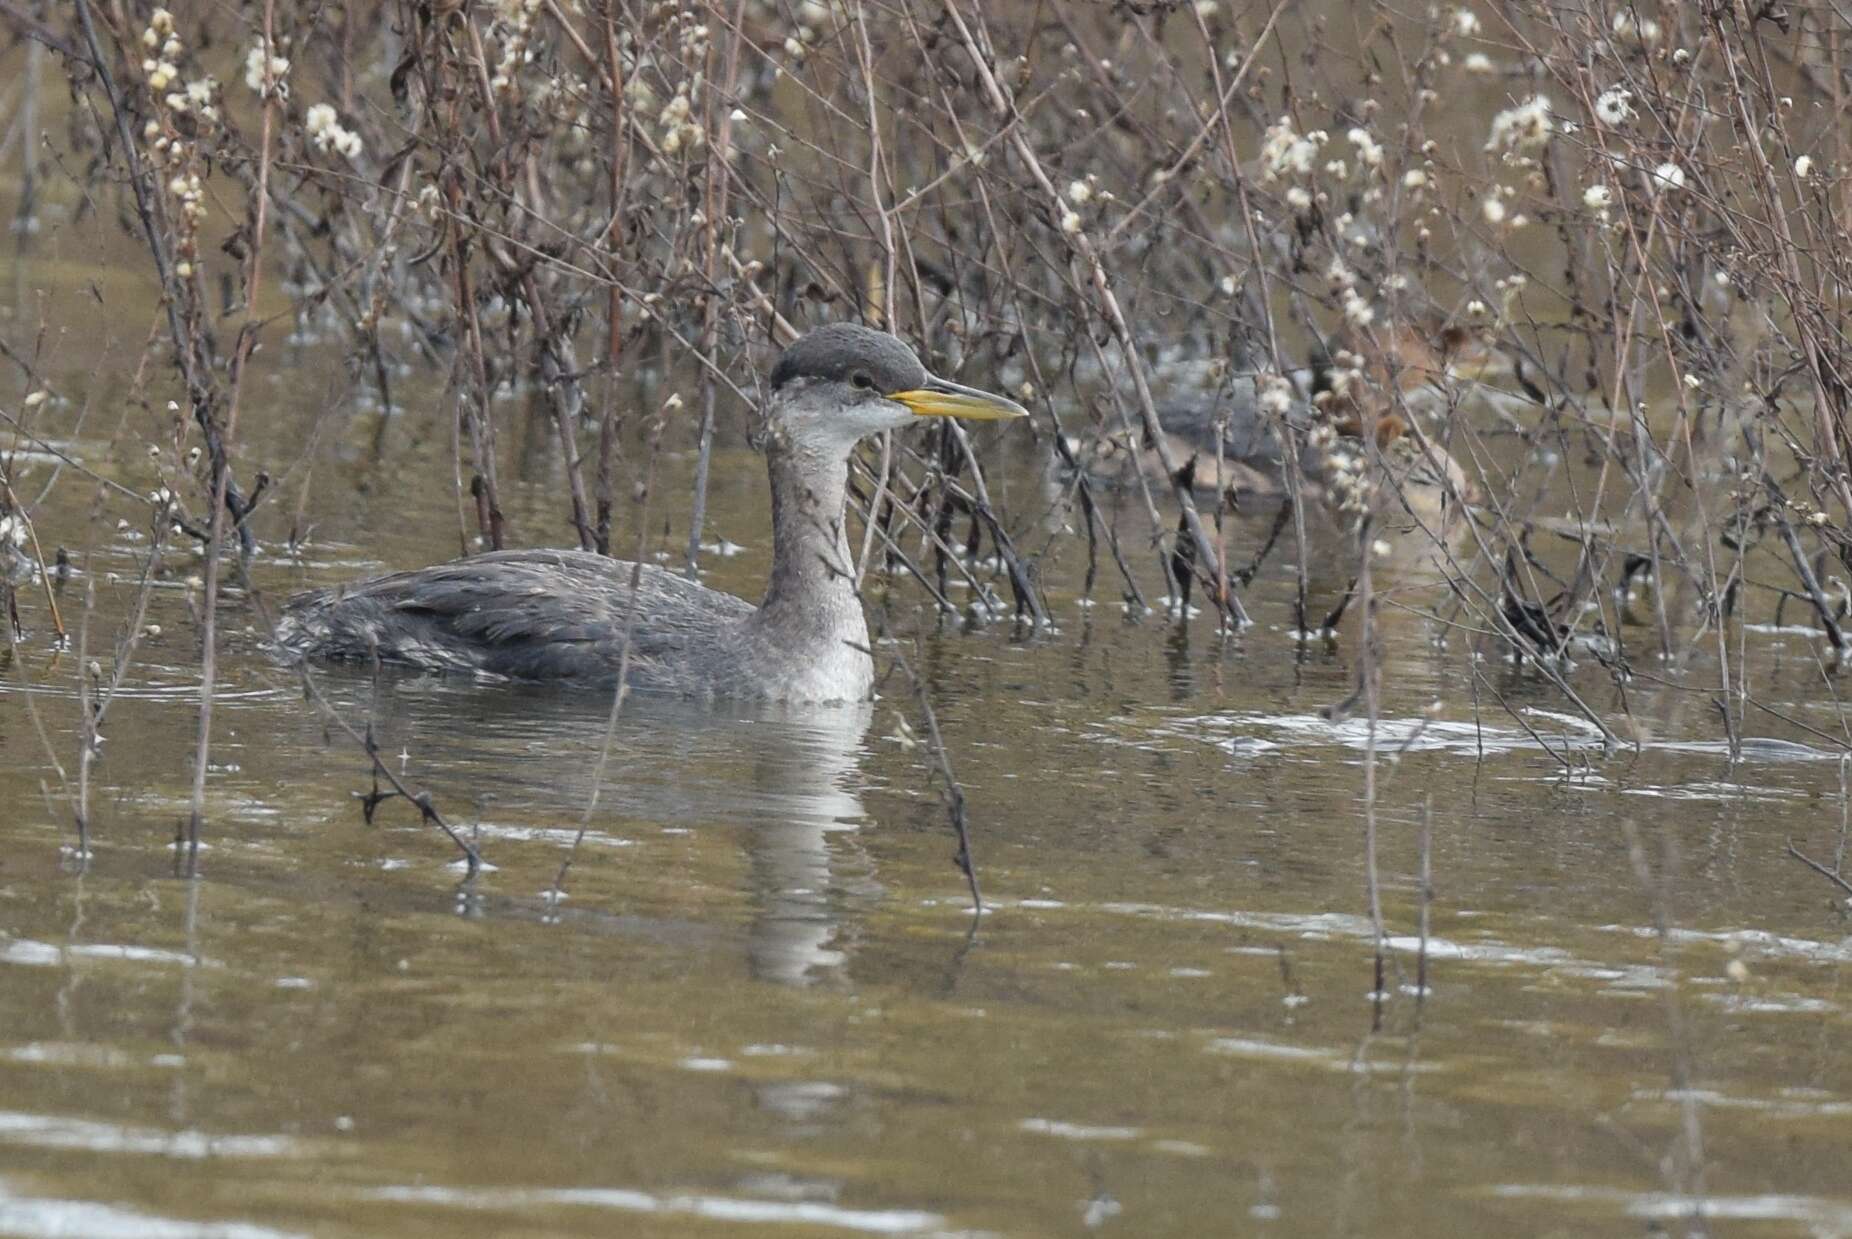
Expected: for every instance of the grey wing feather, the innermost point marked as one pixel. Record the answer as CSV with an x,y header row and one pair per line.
x,y
526,614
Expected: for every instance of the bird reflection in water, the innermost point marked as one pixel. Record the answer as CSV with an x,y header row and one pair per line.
x,y
800,844
785,778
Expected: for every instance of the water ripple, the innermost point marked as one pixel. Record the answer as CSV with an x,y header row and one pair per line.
x,y
711,1208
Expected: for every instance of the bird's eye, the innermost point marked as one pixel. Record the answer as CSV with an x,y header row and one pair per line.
x,y
861,380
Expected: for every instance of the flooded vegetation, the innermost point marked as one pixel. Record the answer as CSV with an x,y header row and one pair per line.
x,y
1366,755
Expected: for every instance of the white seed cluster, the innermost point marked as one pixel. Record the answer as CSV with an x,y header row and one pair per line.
x,y
516,19
326,132
1276,394
1284,152
677,120
1525,127
163,46
1344,283
1509,289
812,15
1357,310
678,129
1344,478
1633,31
1369,151
1346,375
1614,107
266,72
181,112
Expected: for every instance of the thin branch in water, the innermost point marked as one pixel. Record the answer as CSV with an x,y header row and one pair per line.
x,y
1831,876
953,791
422,801
1427,901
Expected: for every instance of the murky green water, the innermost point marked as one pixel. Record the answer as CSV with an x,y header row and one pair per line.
x,y
763,1004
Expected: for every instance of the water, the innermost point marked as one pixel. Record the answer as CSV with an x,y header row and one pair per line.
x,y
763,1003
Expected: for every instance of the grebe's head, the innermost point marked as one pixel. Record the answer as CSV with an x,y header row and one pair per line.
x,y
844,382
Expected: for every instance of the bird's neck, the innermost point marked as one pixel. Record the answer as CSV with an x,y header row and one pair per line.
x,y
811,606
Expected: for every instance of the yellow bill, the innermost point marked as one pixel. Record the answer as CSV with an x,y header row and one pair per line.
x,y
941,398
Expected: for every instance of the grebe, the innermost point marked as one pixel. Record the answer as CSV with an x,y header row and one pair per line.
x,y
1349,388
567,615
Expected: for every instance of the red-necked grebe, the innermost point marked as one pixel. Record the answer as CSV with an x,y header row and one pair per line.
x,y
564,615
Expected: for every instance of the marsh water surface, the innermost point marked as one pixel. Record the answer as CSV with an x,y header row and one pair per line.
x,y
764,1005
